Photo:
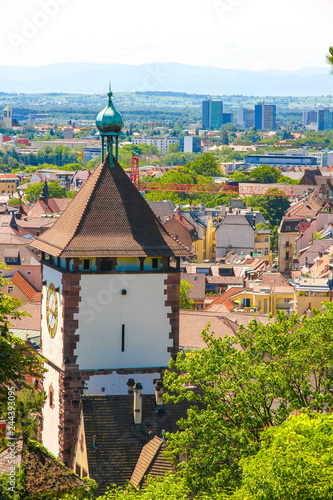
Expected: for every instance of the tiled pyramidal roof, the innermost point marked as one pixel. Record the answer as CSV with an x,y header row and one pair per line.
x,y
108,218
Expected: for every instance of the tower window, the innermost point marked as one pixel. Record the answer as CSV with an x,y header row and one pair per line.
x,y
106,265
122,338
155,264
51,396
86,264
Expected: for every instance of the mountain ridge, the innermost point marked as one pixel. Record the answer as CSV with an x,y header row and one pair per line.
x,y
92,78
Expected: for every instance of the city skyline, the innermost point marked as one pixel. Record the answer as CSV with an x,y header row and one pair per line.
x,y
223,33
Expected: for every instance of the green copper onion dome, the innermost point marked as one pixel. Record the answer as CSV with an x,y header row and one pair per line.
x,y
109,121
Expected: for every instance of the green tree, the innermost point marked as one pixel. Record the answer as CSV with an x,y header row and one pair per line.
x,y
169,487
17,361
33,192
272,205
205,165
265,174
13,201
184,295
72,166
294,461
173,148
55,190
329,58
243,384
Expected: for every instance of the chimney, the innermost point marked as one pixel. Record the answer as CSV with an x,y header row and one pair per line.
x,y
158,392
130,384
180,212
138,404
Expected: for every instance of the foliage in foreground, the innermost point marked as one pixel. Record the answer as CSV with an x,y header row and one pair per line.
x,y
184,295
238,435
244,384
294,461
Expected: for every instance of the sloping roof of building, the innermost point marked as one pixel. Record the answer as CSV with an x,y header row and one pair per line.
x,y
31,322
23,254
113,443
49,206
192,323
151,461
108,218
162,209
219,301
43,474
35,223
29,291
198,283
12,239
225,280
290,224
159,466
306,208
147,454
276,281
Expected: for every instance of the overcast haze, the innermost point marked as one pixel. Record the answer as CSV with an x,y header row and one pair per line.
x,y
251,34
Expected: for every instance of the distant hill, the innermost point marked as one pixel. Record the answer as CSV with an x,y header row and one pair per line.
x,y
93,78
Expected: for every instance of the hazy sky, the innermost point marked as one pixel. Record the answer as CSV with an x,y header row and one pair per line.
x,y
251,34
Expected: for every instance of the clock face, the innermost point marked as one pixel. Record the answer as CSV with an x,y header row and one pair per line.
x,y
52,310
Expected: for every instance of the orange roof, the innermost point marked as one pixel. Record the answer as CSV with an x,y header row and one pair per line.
x,y
25,287
146,457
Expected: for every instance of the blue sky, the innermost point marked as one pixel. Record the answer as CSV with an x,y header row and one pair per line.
x,y
251,34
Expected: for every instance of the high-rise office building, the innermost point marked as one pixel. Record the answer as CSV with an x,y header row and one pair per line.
x,y
258,116
265,116
325,119
310,116
190,144
212,114
226,118
245,117
206,114
7,116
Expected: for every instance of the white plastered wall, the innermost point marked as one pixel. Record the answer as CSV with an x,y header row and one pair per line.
x,y
142,311
52,348
51,419
115,383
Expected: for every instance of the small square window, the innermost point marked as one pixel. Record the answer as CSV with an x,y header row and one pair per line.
x,y
10,290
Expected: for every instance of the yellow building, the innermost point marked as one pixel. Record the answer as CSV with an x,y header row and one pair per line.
x,y
271,294
262,242
210,240
8,183
311,293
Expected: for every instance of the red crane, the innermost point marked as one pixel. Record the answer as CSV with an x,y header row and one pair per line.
x,y
189,188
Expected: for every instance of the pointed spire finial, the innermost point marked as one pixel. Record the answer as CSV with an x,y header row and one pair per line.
x,y
110,93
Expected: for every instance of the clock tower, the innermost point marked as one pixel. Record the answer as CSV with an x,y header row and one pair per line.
x,y
110,307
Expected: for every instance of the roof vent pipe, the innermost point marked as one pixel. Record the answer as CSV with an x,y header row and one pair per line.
x,y
130,384
158,392
138,404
